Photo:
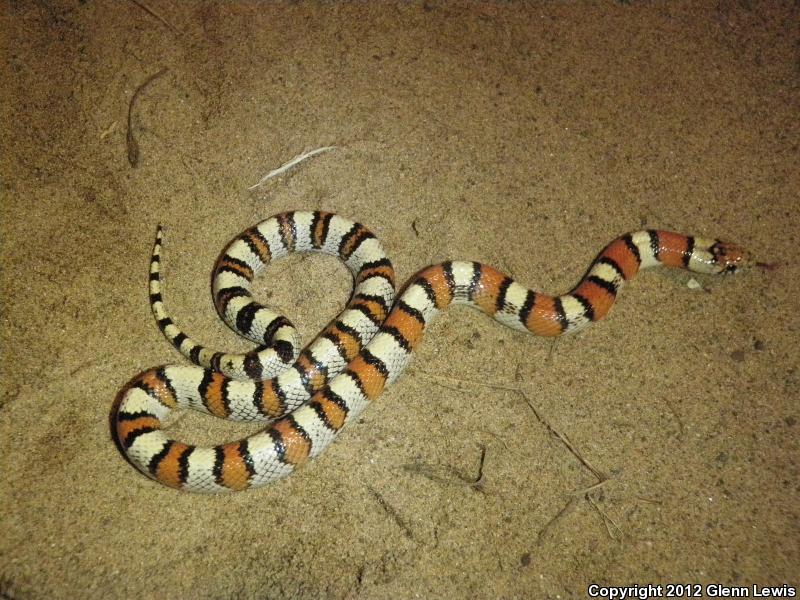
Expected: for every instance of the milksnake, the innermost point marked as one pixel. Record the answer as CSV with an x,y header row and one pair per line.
x,y
308,397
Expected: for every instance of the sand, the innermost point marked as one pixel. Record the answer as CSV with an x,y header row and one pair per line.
x,y
659,446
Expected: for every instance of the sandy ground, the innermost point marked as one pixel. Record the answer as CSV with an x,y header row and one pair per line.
x,y
659,446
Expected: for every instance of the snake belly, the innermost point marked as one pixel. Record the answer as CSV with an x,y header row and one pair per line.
x,y
352,361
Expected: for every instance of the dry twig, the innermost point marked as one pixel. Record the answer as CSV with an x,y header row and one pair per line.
x,y
156,16
130,140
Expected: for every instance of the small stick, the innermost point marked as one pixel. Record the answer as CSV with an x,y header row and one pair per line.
x,y
606,519
286,166
156,16
108,130
479,482
557,517
392,512
130,140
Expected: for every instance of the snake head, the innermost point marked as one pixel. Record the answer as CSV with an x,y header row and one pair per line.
x,y
729,258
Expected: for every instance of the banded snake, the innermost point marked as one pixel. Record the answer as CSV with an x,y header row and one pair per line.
x,y
306,397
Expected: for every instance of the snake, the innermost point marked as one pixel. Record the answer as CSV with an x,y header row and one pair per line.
x,y
306,397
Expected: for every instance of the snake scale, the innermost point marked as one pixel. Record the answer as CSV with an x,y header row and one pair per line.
x,y
306,397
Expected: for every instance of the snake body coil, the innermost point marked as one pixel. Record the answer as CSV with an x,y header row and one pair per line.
x,y
308,397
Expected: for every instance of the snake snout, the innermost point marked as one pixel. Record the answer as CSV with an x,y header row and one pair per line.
x,y
730,257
